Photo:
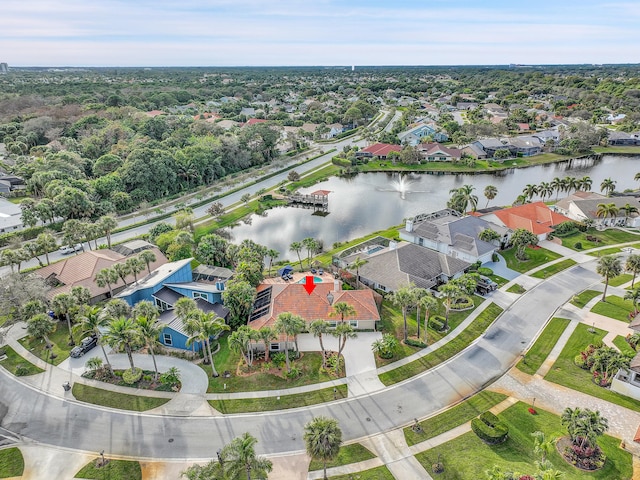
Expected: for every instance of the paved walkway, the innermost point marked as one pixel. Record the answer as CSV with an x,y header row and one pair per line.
x,y
500,268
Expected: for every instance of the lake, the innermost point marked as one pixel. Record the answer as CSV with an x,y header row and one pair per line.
x,y
372,201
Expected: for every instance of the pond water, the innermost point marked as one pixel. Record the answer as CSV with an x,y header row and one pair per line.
x,y
374,201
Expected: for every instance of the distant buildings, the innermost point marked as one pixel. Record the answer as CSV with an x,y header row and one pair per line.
x,y
4,68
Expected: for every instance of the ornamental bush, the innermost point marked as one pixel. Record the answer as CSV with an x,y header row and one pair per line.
x,y
490,428
131,376
485,271
415,343
437,322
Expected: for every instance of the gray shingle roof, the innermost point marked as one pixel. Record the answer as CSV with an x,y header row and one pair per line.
x,y
168,296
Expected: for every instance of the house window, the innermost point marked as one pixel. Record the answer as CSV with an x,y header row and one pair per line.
x,y
353,323
274,347
421,241
167,339
162,306
332,323
200,295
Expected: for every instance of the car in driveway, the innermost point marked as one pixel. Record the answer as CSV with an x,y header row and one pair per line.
x,y
84,346
485,285
67,249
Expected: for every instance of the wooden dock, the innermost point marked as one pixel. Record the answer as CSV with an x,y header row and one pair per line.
x,y
319,199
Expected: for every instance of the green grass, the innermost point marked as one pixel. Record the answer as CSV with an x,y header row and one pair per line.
x,y
612,250
539,351
610,236
451,348
59,338
13,361
113,470
266,404
584,297
11,463
555,268
467,457
536,257
565,372
453,417
620,279
618,149
314,177
122,401
623,345
352,453
516,288
614,307
309,363
378,473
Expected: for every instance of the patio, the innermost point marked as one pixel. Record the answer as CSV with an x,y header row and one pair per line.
x,y
298,276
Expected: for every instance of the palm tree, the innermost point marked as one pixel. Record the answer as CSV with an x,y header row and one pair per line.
x,y
628,210
64,304
266,334
429,303
122,270
145,308
41,326
584,426
342,332
356,264
82,295
135,266
116,308
607,209
608,185
585,183
608,266
419,294
91,321
47,243
545,190
240,457
530,191
208,325
572,183
290,325
149,329
342,310
105,278
122,334
185,309
148,257
32,250
488,235
557,186
311,244
634,296
107,224
449,292
322,438
490,192
319,328
297,247
272,254
633,265
240,341
403,298
463,197
541,445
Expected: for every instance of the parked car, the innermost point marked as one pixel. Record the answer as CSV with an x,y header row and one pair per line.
x,y
84,346
67,249
485,285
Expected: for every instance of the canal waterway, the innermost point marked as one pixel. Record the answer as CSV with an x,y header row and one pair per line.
x,y
374,201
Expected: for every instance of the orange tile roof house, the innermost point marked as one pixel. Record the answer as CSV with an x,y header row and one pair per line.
x,y
81,269
380,150
535,217
274,299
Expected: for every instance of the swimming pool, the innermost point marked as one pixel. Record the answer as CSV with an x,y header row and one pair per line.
x,y
315,280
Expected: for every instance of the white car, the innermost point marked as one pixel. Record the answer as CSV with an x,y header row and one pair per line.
x,y
70,248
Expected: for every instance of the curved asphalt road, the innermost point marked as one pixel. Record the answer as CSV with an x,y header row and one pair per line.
x,y
68,424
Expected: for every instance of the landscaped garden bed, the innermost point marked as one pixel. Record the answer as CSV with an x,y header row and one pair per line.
x,y
167,382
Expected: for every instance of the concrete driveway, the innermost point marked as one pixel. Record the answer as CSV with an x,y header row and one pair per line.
x,y
500,268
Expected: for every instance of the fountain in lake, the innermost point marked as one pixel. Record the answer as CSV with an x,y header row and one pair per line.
x,y
401,184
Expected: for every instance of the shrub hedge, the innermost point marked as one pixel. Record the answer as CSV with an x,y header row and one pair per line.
x,y
437,322
490,428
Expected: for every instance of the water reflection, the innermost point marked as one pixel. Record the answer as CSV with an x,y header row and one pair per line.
x,y
365,203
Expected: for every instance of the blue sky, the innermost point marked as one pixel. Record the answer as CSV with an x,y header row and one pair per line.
x,y
316,32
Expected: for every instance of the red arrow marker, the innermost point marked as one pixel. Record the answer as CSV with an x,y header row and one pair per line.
x,y
309,286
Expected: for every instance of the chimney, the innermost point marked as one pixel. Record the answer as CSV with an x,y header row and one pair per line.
x,y
336,286
409,225
393,245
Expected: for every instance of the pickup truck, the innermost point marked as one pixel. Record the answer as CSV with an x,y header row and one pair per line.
x,y
85,345
67,249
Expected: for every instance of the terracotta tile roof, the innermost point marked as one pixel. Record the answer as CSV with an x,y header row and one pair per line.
x,y
293,298
155,113
81,269
253,121
382,149
535,217
322,193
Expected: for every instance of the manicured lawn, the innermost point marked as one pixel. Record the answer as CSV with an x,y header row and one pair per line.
x,y
623,345
618,149
453,417
583,298
352,453
11,463
59,339
553,269
565,372
265,404
315,177
13,361
620,279
498,279
309,363
536,257
611,236
614,307
122,401
539,351
467,457
456,345
516,288
378,473
113,470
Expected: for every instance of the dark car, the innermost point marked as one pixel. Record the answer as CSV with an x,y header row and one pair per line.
x,y
485,285
84,346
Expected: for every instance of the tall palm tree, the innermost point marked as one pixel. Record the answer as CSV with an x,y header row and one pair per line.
x,y
609,267
106,277
556,184
122,270
122,334
633,265
41,326
290,325
449,292
91,321
530,191
585,183
545,190
208,325
322,438
135,266
490,192
419,294
637,176
272,254
240,457
297,247
403,298
107,225
311,244
628,210
47,243
342,310
116,308
608,185
148,257
266,335
634,296
145,308
318,328
429,303
240,341
185,309
607,209
65,304
149,329
82,295
463,197
356,264
342,332
572,184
